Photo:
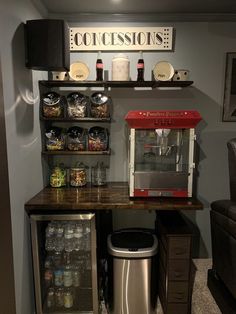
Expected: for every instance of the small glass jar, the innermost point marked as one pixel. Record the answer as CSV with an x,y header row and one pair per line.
x,y
55,139
76,139
58,177
78,175
99,174
100,105
77,105
52,105
97,139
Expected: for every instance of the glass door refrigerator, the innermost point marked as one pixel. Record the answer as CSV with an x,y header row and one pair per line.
x,y
65,264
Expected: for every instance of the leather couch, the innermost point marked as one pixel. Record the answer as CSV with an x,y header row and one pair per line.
x,y
223,229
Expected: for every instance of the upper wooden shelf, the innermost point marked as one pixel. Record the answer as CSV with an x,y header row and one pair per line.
x,y
117,84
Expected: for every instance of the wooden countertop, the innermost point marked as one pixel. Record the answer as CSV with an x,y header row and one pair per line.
x,y
112,196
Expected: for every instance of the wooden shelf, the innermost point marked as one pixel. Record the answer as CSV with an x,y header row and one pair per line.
x,y
66,119
72,152
116,84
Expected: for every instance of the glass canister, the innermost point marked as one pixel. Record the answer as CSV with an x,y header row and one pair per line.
x,y
58,177
120,68
76,139
55,139
99,174
99,105
97,139
77,105
52,105
78,175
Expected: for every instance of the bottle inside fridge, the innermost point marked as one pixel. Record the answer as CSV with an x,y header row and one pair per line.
x,y
64,258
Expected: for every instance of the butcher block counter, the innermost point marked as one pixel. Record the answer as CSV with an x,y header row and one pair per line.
x,y
114,195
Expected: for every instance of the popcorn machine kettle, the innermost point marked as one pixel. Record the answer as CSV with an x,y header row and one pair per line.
x,y
161,152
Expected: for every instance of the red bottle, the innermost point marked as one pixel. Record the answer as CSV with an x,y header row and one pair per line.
x,y
140,68
99,68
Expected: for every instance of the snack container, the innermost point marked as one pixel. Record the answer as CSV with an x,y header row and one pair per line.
x,y
76,139
77,105
97,139
100,105
55,139
120,68
58,177
52,105
78,175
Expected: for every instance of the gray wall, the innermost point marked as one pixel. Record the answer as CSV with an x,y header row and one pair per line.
x,y
23,140
201,48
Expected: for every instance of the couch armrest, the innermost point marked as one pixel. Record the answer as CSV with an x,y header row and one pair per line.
x,y
225,207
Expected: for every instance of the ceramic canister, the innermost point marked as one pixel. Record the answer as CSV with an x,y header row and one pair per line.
x,y
181,75
120,68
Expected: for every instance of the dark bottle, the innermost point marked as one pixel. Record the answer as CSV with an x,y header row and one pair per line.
x,y
99,68
140,68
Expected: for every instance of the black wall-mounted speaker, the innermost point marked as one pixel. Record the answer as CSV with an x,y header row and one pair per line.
x,y
47,45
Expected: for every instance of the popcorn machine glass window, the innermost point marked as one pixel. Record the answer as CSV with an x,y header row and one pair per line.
x,y
161,152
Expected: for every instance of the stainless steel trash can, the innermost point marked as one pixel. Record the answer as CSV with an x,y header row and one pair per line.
x,y
133,252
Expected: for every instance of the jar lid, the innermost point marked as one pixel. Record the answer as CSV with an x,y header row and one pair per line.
x,y
97,132
77,98
75,132
53,131
79,166
99,98
120,56
51,99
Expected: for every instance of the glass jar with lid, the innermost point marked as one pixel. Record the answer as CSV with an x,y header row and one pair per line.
x,y
78,175
99,174
55,139
58,177
97,139
52,105
77,105
76,138
100,105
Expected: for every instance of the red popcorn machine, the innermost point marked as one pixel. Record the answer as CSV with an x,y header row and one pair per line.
x,y
161,152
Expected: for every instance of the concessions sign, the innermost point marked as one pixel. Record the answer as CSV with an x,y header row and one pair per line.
x,y
128,38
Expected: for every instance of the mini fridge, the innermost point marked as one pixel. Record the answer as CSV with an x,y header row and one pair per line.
x,y
64,263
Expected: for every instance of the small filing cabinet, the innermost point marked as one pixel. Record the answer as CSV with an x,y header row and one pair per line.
x,y
175,240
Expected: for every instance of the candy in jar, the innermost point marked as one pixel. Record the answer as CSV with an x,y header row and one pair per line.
x,y
78,175
77,105
76,138
58,177
99,105
97,139
52,107
55,139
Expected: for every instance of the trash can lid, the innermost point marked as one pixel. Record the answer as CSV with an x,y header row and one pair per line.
x,y
132,244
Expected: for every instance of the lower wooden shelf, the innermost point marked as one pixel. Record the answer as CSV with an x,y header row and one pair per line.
x,y
71,152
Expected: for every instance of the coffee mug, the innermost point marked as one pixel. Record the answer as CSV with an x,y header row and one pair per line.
x,y
181,75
